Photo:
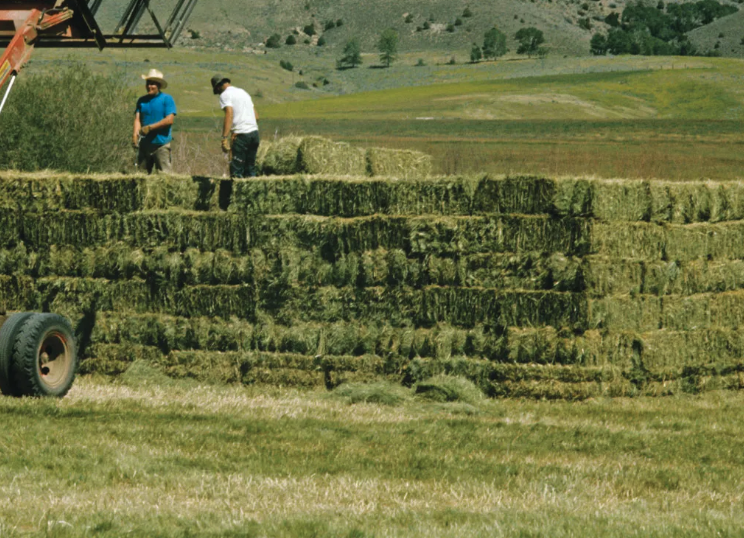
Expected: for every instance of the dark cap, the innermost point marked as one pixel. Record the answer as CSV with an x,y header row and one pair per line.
x,y
217,81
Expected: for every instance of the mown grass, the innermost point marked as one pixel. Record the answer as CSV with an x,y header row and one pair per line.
x,y
669,149
143,458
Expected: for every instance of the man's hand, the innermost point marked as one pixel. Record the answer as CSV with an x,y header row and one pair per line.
x,y
226,145
135,143
145,130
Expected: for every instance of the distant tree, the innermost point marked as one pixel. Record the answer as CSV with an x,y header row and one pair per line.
x,y
494,43
458,21
352,55
321,41
475,53
585,23
618,41
388,46
309,29
426,25
467,13
194,34
339,22
660,6
530,40
291,40
450,28
274,42
287,65
420,63
409,18
329,25
452,61
598,45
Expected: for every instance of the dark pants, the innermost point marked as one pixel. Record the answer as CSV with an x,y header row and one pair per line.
x,y
244,149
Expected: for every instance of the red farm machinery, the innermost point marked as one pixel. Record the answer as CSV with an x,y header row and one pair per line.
x,y
38,352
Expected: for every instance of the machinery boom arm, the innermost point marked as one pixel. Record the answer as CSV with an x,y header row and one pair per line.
x,y
20,48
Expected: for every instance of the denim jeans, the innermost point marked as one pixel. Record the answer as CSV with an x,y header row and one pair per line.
x,y
244,149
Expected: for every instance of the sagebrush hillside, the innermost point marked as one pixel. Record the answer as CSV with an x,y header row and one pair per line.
x,y
568,25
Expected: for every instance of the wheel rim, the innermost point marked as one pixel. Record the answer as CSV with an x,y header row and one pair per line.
x,y
54,360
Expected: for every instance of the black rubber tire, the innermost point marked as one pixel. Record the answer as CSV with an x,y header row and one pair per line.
x,y
45,356
8,336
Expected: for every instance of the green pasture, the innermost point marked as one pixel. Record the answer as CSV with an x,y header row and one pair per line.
x,y
152,457
514,89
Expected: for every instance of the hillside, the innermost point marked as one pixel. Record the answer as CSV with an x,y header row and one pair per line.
x,y
244,25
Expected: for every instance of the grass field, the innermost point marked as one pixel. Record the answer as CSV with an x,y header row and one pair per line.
x,y
149,457
672,118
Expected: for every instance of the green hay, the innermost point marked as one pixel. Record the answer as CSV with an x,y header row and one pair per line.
x,y
115,359
169,192
50,191
281,156
354,197
400,164
316,155
176,228
263,150
625,312
383,393
445,388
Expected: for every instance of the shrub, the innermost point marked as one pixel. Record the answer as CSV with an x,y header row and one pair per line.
x,y
586,23
302,85
291,40
286,64
420,63
329,25
194,34
426,25
274,41
452,61
321,41
467,12
339,22
475,53
458,21
409,18
309,29
69,135
450,28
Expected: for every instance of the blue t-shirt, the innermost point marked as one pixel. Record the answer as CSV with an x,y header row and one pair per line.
x,y
152,110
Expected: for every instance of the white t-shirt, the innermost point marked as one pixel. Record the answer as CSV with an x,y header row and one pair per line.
x,y
244,117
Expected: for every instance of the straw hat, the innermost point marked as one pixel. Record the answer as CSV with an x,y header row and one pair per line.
x,y
157,76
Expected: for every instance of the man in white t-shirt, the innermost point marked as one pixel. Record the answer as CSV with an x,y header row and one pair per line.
x,y
240,130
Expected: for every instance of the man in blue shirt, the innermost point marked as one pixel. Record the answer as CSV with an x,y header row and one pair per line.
x,y
153,120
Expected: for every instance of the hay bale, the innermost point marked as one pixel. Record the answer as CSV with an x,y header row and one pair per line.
x,y
281,156
316,155
263,150
397,163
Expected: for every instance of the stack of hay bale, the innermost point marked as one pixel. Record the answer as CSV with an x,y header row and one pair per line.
x,y
529,286
316,155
